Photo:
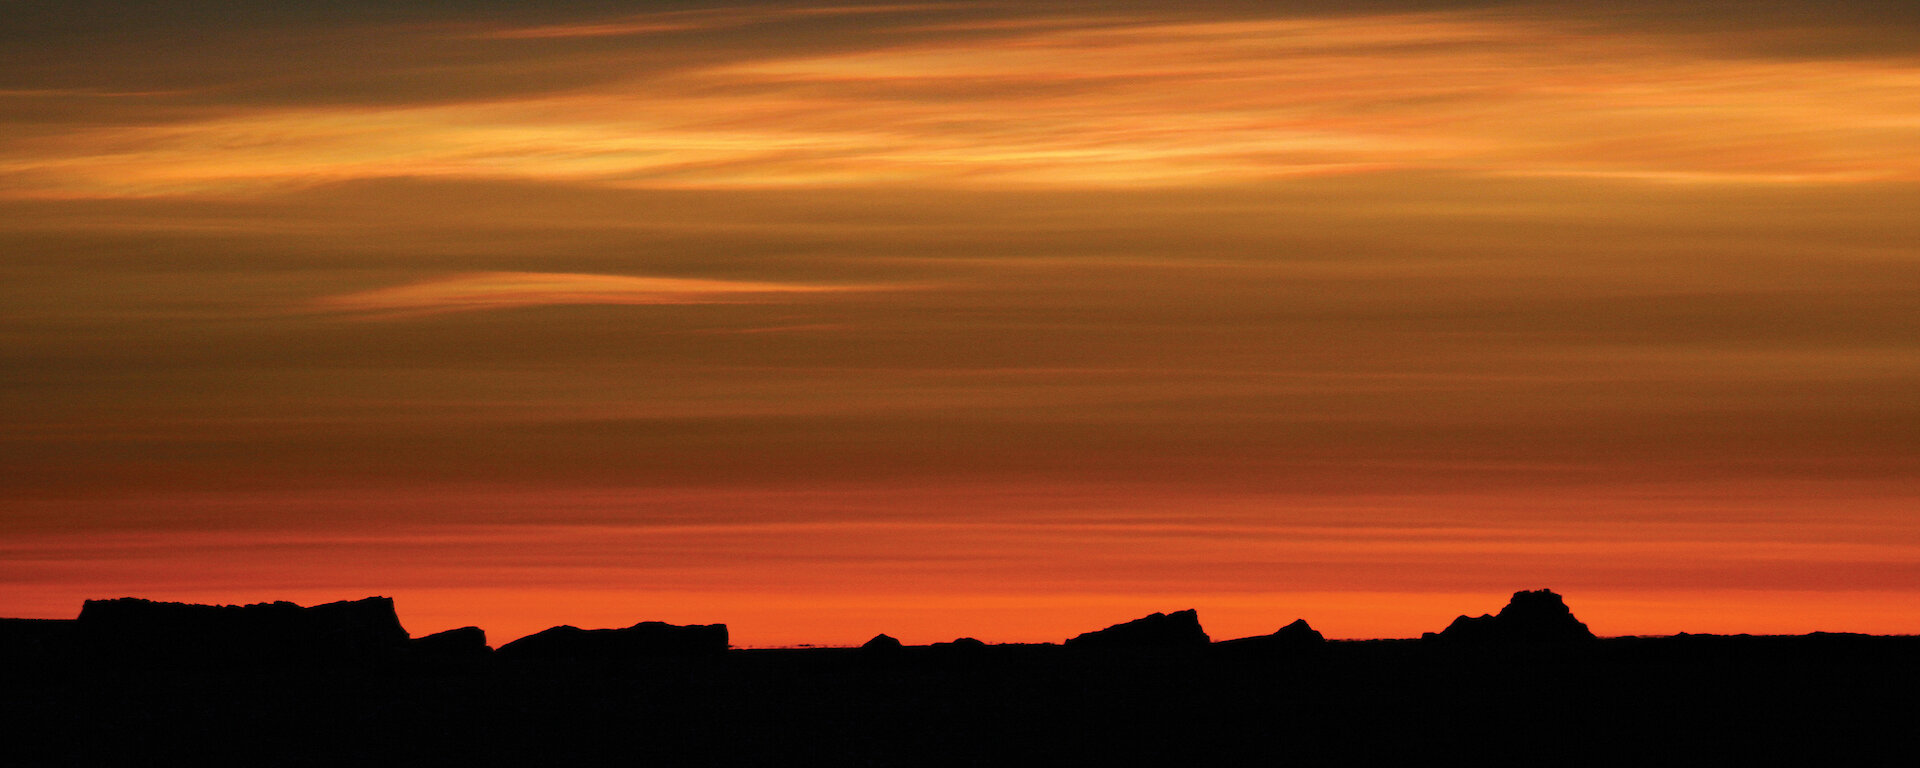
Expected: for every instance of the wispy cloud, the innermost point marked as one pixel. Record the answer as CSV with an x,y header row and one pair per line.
x,y
506,290
1099,102
712,18
1600,300
620,28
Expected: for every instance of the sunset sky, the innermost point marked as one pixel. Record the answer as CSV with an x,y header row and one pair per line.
x,y
1008,320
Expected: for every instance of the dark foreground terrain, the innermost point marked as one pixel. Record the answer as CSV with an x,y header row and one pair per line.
x,y
1136,700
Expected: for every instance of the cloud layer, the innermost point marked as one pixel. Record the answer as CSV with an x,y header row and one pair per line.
x,y
506,290
988,309
929,94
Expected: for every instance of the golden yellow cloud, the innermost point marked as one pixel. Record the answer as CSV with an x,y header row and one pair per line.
x,y
1107,103
505,290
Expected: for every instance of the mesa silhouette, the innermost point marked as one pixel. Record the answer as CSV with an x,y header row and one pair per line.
x,y
133,681
130,628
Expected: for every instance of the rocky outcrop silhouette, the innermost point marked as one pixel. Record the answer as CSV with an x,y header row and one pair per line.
x,y
1295,636
881,643
1387,701
1537,616
959,649
647,638
132,628
465,642
1180,629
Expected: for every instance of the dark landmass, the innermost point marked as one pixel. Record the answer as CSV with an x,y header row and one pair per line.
x,y
1160,631
1539,616
136,682
1295,637
134,629
881,644
647,638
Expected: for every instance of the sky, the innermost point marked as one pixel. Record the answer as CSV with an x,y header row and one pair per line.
x,y
1003,320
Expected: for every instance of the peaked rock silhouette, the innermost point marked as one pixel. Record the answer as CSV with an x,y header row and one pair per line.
x,y
1537,616
1180,629
647,638
1297,635
1300,632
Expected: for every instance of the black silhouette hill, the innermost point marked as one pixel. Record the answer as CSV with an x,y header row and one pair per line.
x,y
882,644
647,638
465,642
1537,616
1180,629
97,691
1298,636
132,628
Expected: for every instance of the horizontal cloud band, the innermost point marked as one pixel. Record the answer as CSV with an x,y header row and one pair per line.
x,y
502,290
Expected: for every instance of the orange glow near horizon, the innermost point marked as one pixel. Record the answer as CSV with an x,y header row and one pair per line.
x,y
941,319
852,619
837,570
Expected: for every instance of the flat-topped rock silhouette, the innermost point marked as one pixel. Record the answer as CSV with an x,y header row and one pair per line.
x,y
1537,616
1295,636
133,627
1165,695
647,638
1180,629
454,643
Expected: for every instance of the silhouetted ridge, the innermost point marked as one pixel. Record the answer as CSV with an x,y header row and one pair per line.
x,y
881,643
647,638
454,643
1537,616
1609,701
1297,635
1180,629
132,627
1300,631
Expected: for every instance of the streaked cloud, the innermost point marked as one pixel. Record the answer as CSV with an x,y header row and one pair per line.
x,y
506,290
699,19
1107,101
619,28
1356,306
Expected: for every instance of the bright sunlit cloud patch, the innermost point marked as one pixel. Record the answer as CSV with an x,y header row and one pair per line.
x,y
1107,102
506,290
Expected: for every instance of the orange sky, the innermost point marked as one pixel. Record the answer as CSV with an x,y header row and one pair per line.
x,y
966,319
